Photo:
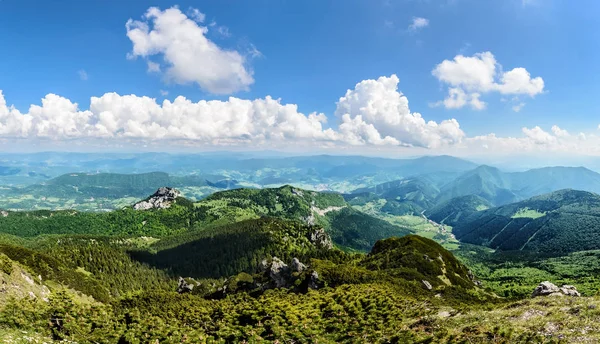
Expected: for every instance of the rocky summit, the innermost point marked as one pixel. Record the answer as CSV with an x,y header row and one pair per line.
x,y
161,199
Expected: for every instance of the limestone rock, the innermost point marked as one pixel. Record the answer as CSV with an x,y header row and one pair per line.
x,y
297,266
321,239
278,272
569,290
549,289
184,287
314,282
544,289
161,199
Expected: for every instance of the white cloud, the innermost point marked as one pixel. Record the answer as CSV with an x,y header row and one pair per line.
x,y
82,74
196,15
373,113
457,98
188,55
380,104
538,135
164,92
480,74
129,116
559,132
476,103
418,23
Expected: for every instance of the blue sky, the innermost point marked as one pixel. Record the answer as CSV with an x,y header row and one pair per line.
x,y
310,53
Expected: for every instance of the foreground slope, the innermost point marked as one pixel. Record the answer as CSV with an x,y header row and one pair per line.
x,y
560,222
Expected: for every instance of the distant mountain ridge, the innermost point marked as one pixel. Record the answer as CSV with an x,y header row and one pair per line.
x,y
116,185
491,186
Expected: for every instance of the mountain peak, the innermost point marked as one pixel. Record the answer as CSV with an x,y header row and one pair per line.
x,y
161,199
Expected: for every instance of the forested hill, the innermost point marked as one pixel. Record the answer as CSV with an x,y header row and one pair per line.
x,y
347,226
456,210
559,222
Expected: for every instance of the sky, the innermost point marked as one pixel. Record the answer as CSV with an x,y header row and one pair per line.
x,y
380,77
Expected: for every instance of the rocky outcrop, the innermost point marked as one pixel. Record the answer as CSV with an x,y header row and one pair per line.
x,y
161,199
297,266
184,287
569,290
547,288
278,272
427,285
321,239
296,274
314,282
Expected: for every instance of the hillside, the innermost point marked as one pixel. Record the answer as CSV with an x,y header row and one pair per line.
x,y
418,258
227,250
406,196
560,222
348,227
486,182
457,209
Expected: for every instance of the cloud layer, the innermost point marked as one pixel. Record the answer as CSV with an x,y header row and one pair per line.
x,y
373,113
468,77
186,55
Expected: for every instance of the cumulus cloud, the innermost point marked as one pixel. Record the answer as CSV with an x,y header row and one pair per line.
x,y
418,23
559,132
129,116
457,98
187,55
380,104
481,73
374,112
539,136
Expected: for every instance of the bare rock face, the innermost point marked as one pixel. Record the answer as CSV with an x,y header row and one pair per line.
x,y
278,272
161,199
547,288
282,275
321,239
569,290
297,266
184,287
314,282
544,289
